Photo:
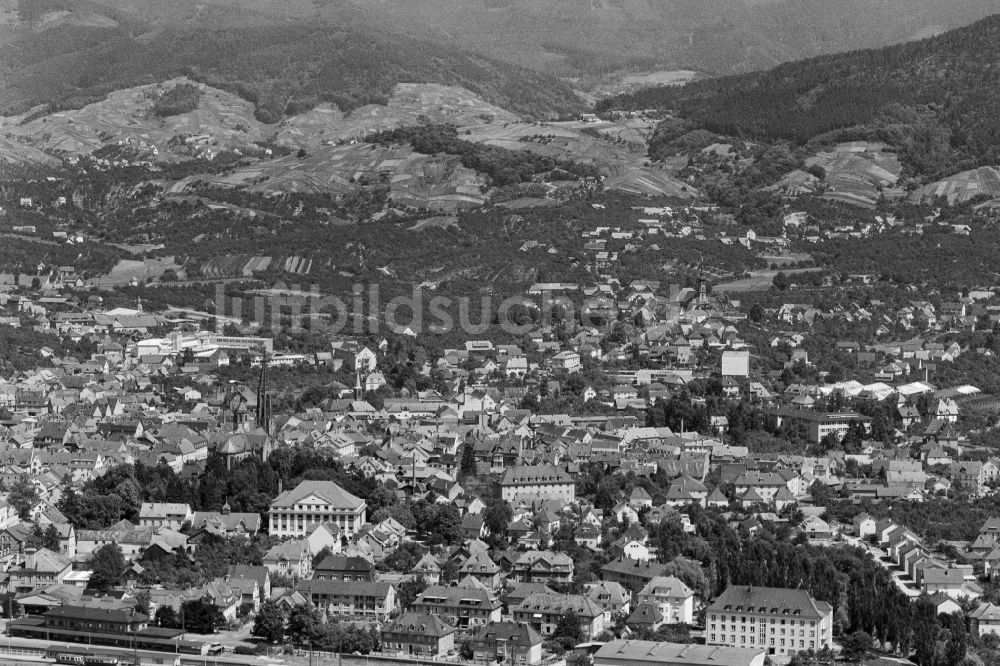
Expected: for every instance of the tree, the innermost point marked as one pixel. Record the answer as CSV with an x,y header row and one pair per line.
x,y
449,571
166,617
47,537
497,516
468,467
856,645
23,496
142,599
404,558
925,630
304,624
270,622
320,556
567,630
409,590
108,567
201,616
958,639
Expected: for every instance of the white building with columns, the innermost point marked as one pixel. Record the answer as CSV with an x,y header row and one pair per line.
x,y
294,512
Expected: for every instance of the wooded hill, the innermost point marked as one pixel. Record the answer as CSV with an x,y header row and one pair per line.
x,y
936,100
284,68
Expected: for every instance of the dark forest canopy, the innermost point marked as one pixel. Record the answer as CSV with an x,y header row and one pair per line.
x,y
935,100
284,68
504,167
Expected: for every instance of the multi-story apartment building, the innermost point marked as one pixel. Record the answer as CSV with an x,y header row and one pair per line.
x,y
507,642
542,566
766,484
164,514
419,634
358,600
780,620
37,568
633,574
672,598
462,607
344,567
534,482
544,610
975,476
294,512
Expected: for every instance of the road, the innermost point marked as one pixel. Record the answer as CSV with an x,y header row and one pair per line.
x,y
877,554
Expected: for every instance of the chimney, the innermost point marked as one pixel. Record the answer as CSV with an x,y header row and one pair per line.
x,y
29,559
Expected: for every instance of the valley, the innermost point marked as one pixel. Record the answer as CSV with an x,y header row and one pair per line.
x,y
500,331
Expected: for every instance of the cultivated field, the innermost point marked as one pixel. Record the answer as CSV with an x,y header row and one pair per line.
x,y
125,116
335,157
15,153
857,172
425,181
758,281
410,104
964,186
624,168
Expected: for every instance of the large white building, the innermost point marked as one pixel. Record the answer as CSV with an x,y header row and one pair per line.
x,y
294,512
779,620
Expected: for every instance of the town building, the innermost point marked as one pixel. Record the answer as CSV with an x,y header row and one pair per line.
x,y
366,601
294,512
534,482
648,653
778,620
671,597
418,634
508,643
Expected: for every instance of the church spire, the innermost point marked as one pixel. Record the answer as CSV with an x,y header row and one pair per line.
x,y
263,398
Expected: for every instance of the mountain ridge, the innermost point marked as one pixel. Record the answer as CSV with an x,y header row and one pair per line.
x,y
351,52
934,100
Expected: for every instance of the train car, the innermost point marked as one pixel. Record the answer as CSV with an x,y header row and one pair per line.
x,y
68,658
101,660
81,657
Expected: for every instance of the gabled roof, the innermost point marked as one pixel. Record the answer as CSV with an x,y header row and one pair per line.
x,y
676,654
421,624
773,601
519,634
324,490
645,613
670,586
